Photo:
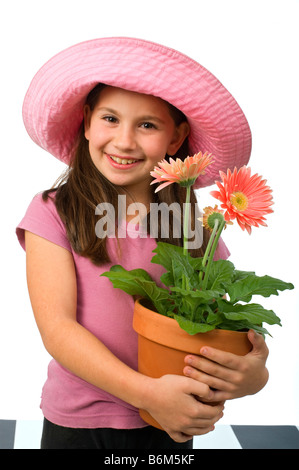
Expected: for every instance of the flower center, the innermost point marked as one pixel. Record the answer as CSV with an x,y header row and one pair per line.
x,y
239,201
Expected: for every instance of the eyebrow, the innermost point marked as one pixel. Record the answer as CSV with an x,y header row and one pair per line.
x,y
147,117
151,118
109,110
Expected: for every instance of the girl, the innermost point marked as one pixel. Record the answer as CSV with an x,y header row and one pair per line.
x,y
111,109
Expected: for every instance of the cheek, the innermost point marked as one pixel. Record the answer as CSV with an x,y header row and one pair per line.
x,y
94,135
98,133
157,149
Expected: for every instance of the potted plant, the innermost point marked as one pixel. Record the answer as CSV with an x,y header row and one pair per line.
x,y
204,302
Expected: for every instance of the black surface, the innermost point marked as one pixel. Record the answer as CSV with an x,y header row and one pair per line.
x,y
267,437
7,434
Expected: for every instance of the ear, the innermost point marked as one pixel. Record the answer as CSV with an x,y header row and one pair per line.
x,y
87,118
181,132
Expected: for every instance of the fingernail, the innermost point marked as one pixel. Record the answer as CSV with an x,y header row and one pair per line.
x,y
189,360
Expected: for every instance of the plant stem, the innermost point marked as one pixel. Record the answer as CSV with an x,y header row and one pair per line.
x,y
208,248
211,254
185,231
186,219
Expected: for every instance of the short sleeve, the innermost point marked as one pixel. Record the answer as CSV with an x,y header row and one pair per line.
x,y
222,251
41,218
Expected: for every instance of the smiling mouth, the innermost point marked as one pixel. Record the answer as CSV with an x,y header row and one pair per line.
x,y
123,161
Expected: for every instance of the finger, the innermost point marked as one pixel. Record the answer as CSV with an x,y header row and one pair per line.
x,y
226,359
221,396
200,431
200,389
180,436
213,382
207,412
202,422
258,343
210,367
202,426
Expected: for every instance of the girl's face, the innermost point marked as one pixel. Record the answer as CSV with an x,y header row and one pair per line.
x,y
128,134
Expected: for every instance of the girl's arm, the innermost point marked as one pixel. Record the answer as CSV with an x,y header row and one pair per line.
x,y
231,375
52,288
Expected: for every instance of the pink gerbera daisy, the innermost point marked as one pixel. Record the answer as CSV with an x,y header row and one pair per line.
x,y
185,172
246,198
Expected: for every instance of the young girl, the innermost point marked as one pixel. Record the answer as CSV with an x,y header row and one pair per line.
x,y
111,109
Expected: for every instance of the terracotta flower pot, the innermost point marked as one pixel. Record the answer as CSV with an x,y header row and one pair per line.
x,y
163,345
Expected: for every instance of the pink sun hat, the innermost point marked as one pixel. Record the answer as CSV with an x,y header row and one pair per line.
x,y
53,105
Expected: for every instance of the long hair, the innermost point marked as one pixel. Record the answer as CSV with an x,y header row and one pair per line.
x,y
82,187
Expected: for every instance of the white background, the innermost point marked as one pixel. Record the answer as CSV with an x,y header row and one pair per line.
x,y
252,47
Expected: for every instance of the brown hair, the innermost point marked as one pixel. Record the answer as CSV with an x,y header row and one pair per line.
x,y
82,187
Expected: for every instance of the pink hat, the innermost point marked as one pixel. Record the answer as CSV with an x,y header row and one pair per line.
x,y
53,105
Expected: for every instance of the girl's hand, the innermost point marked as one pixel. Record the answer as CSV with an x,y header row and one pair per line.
x,y
171,400
231,376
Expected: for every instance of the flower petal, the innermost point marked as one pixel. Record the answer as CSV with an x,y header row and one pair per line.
x,y
183,172
254,188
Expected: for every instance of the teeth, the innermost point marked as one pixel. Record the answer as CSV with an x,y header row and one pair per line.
x,y
123,161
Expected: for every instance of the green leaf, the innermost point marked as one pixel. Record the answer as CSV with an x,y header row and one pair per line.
x,y
242,326
167,279
180,269
186,306
177,264
191,327
253,313
139,282
165,253
237,275
200,295
137,273
221,273
214,318
129,281
245,288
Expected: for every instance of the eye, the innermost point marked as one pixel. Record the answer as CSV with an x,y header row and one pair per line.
x,y
148,125
110,119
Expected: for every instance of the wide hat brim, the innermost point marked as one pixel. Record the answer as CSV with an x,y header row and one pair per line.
x,y
53,105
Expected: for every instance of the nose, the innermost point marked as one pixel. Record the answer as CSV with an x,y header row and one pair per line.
x,y
125,138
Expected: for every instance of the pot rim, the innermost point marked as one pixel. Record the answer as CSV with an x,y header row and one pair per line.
x,y
166,331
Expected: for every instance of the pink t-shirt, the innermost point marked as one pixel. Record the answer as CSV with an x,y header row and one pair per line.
x,y
68,400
